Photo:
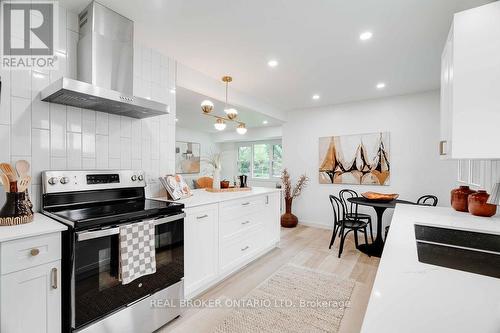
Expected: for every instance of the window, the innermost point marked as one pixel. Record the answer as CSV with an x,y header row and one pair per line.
x,y
261,160
244,160
277,160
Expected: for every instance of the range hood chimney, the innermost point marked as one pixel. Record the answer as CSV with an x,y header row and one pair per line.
x,y
104,68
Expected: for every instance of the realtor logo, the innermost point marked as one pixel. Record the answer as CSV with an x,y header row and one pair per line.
x,y
29,34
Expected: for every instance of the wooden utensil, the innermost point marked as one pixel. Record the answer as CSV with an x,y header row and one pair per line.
x,y
7,169
24,183
22,168
5,182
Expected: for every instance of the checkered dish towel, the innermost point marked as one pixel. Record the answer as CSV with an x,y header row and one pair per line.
x,y
137,251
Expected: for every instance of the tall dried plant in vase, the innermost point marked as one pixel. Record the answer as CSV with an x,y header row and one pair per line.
x,y
288,220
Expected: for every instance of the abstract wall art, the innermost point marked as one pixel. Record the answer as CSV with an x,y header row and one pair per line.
x,y
187,157
362,159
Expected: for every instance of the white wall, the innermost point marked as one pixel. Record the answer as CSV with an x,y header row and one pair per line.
x,y
53,136
207,146
416,169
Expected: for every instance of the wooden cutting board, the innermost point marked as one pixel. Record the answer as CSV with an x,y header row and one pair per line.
x,y
230,189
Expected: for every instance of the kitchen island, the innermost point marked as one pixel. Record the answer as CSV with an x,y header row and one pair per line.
x,y
225,231
410,296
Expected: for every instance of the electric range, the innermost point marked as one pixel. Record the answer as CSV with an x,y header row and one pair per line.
x,y
95,204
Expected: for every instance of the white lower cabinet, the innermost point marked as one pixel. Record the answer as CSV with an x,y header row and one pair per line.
x,y
31,297
221,238
201,241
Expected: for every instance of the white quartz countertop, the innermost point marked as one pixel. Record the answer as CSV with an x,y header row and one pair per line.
x,y
201,197
41,225
409,296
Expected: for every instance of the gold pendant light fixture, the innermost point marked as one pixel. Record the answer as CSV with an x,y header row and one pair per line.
x,y
207,107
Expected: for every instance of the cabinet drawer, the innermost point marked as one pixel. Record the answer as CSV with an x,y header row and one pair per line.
x,y
23,253
242,224
236,250
241,207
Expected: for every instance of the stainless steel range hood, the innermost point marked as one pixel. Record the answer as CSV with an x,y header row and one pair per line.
x,y
104,69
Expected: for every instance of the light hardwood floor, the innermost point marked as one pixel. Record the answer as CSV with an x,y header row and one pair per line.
x,y
304,246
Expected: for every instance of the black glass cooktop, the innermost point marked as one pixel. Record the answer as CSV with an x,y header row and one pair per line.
x,y
87,216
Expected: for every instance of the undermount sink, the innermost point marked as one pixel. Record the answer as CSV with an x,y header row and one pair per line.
x,y
469,251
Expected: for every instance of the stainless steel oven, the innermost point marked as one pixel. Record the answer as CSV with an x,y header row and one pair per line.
x,y
95,205
97,289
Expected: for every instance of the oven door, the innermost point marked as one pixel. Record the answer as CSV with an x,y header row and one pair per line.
x,y
96,289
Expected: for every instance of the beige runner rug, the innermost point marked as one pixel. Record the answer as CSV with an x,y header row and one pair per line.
x,y
294,299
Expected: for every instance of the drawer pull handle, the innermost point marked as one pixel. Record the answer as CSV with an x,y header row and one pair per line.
x,y
442,148
35,252
53,275
245,248
246,222
202,217
245,204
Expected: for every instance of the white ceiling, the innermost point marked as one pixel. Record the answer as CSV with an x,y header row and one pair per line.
x,y
316,43
189,113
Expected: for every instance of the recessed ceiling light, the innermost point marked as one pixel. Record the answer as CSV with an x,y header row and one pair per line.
x,y
380,85
176,119
366,35
265,122
172,91
272,63
315,97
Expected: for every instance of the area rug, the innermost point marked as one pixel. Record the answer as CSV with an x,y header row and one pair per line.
x,y
294,299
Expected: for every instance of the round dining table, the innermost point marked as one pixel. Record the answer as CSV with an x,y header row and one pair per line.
x,y
377,246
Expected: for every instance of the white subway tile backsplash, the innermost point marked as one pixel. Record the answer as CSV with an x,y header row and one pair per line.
x,y
137,61
5,140
114,163
146,70
58,163
155,66
126,127
21,126
74,119
40,153
58,73
102,123
101,151
136,165
146,54
35,196
114,136
57,130
155,140
5,97
21,83
88,163
125,154
88,134
39,109
74,150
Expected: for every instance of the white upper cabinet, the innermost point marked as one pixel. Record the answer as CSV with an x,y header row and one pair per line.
x,y
470,91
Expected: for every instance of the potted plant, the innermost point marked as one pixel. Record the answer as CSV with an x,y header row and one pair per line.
x,y
288,220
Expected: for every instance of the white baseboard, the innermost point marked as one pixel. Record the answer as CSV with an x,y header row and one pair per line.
x,y
316,225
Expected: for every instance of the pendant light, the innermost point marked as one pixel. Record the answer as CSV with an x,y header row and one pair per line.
x,y
241,129
220,124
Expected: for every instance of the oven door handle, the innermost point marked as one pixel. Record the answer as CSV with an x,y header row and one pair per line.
x,y
87,235
168,219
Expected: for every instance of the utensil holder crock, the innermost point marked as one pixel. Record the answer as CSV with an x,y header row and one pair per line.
x,y
16,209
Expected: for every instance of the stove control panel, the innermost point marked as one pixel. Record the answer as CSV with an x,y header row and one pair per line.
x,y
103,179
68,181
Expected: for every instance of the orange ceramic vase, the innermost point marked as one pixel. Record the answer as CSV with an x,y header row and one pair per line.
x,y
459,198
478,205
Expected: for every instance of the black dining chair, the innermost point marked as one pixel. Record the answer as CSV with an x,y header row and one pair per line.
x,y
351,209
427,200
341,224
